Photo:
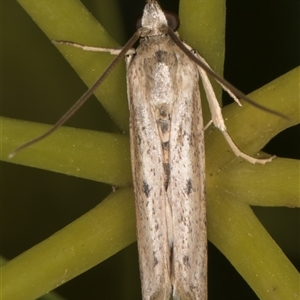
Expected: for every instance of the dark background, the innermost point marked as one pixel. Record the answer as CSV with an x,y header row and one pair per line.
x,y
262,44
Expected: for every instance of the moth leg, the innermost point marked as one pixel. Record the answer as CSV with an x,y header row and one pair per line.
x,y
208,124
218,120
240,153
223,86
213,103
237,151
92,48
205,62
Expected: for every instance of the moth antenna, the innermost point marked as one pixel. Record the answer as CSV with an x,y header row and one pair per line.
x,y
218,78
83,98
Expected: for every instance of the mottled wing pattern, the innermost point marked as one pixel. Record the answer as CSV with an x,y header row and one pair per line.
x,y
148,178
168,170
186,189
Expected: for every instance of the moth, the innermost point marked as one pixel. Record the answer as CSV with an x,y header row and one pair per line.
x,y
167,154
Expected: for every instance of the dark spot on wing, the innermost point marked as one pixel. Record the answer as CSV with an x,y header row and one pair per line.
x,y
188,189
160,55
163,111
171,255
139,139
146,189
165,145
167,168
163,124
167,173
186,261
155,261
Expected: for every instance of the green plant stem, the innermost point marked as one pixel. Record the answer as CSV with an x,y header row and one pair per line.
x,y
88,154
265,184
92,238
237,233
69,20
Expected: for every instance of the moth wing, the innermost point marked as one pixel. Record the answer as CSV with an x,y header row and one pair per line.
x,y
150,194
186,189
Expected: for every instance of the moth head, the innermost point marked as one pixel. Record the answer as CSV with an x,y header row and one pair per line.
x,y
155,20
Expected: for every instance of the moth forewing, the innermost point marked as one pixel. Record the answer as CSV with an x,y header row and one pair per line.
x,y
148,178
187,187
